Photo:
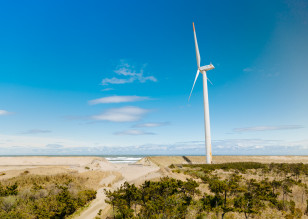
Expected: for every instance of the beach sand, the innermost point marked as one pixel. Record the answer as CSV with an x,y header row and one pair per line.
x,y
106,175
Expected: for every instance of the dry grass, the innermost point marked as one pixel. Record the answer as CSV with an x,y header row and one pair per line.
x,y
118,177
51,170
91,179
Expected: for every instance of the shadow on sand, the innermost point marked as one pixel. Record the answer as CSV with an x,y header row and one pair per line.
x,y
187,160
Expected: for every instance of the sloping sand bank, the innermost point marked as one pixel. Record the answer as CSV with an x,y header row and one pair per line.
x,y
48,161
165,161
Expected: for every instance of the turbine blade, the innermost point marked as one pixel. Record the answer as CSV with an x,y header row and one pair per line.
x,y
209,81
197,48
194,84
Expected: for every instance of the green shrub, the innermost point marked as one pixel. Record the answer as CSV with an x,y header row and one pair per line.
x,y
45,198
168,198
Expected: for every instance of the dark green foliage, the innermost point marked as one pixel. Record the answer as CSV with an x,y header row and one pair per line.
x,y
43,199
295,169
172,166
240,166
223,189
248,204
246,188
254,197
123,199
168,198
8,190
62,204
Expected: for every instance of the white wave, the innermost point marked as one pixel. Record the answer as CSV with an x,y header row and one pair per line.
x,y
123,159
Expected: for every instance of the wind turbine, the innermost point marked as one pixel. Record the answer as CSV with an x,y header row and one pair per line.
x,y
203,70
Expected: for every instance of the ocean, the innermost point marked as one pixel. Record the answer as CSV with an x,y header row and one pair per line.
x,y
122,159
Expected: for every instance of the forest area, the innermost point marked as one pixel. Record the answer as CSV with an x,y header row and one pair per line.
x,y
228,190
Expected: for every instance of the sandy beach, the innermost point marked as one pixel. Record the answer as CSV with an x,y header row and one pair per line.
x,y
107,175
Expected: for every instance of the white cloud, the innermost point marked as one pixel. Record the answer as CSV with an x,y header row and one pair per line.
x,y
267,128
151,124
247,69
117,99
115,80
4,112
107,89
124,114
129,74
133,132
36,131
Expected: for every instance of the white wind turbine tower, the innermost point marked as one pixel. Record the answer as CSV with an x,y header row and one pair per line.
x,y
203,71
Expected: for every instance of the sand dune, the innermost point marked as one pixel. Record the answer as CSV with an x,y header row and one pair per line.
x,y
48,161
168,160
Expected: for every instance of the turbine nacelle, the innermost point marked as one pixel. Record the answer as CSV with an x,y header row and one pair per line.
x,y
206,68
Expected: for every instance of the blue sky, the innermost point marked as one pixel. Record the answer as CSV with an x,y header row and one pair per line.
x,y
102,77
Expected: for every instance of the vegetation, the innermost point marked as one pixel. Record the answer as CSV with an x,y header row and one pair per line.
x,y
34,196
230,190
168,198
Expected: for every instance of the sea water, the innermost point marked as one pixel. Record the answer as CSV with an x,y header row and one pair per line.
x,y
122,159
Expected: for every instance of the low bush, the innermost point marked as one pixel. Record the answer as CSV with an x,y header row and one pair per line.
x,y
32,196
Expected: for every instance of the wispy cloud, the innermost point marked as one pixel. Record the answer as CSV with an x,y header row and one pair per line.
x,y
115,80
248,69
107,89
260,147
123,114
117,99
267,128
134,132
54,146
35,131
4,112
151,124
245,144
129,74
